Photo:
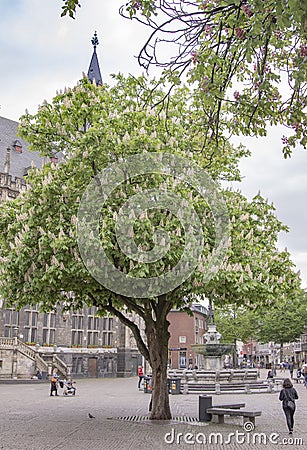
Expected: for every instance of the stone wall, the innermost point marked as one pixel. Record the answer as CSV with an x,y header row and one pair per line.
x,y
15,365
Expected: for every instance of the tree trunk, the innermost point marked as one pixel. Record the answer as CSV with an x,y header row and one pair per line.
x,y
158,337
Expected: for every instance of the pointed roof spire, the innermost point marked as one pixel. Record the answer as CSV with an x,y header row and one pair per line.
x,y
94,70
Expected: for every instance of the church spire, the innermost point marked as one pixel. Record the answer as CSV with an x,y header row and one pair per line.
x,y
94,70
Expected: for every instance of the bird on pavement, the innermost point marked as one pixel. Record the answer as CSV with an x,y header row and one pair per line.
x,y
91,416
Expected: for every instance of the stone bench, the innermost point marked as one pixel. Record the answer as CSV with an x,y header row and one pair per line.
x,y
218,388
298,380
230,406
248,416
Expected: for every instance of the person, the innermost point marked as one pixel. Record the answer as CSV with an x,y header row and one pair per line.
x,y
140,375
69,387
151,386
287,396
291,368
54,382
270,374
304,373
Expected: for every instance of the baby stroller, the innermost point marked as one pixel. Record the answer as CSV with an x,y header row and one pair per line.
x,y
68,386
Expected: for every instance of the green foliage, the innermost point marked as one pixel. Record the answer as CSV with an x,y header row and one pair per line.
x,y
94,127
70,7
282,322
248,59
235,323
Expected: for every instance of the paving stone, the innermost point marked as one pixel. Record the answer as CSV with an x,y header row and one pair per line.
x,y
31,420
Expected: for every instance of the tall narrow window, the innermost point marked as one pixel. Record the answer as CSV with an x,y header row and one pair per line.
x,y
49,328
11,322
31,325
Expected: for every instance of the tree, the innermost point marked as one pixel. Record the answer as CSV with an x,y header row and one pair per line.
x,y
248,58
285,322
235,323
281,322
166,216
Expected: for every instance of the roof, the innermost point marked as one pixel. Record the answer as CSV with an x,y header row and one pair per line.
x,y
94,70
19,162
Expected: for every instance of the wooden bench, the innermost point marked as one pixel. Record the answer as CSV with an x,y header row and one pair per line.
x,y
248,416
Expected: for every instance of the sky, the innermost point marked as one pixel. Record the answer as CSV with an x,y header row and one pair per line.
x,y
42,53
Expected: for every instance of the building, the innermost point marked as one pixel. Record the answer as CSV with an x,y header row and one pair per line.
x,y
78,343
186,330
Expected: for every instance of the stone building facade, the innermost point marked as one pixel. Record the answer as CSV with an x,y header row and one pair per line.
x,y
79,343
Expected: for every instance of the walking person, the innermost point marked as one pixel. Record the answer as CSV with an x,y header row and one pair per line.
x,y
140,375
54,383
304,372
291,368
151,386
288,395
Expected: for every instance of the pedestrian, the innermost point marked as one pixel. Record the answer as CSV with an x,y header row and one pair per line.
x,y
304,372
291,368
288,395
151,387
54,382
140,375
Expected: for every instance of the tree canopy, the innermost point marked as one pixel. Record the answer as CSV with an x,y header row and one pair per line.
x,y
98,128
281,322
248,59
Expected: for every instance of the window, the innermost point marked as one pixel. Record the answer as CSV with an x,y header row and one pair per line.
x,y
31,325
11,323
80,322
182,360
196,323
49,328
77,329
104,338
93,324
182,339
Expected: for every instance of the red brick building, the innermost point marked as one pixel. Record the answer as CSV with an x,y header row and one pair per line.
x,y
186,330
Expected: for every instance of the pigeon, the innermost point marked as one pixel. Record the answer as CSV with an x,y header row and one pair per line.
x,y
91,416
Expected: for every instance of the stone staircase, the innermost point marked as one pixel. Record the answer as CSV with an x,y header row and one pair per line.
x,y
19,347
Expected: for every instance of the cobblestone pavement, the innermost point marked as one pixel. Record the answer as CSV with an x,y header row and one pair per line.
x,y
32,420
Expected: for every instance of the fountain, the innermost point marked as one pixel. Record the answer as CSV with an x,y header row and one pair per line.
x,y
217,355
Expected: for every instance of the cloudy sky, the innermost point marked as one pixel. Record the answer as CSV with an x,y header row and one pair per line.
x,y
42,53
